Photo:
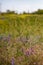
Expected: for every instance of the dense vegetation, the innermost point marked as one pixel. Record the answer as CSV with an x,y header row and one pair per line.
x,y
39,11
21,39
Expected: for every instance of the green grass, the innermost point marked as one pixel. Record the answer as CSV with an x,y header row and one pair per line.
x,y
17,32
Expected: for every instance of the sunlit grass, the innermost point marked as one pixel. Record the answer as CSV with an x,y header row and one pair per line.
x,y
21,38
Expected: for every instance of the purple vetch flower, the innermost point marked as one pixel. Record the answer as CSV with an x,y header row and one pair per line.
x,y
29,51
6,38
12,61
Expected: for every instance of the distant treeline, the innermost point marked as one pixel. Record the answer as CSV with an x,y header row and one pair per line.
x,y
39,11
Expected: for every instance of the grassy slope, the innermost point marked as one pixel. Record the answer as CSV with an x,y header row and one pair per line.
x,y
16,27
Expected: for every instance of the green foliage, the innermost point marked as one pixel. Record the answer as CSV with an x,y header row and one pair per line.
x,y
39,11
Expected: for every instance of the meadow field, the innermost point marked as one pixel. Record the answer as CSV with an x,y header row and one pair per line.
x,y
21,39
